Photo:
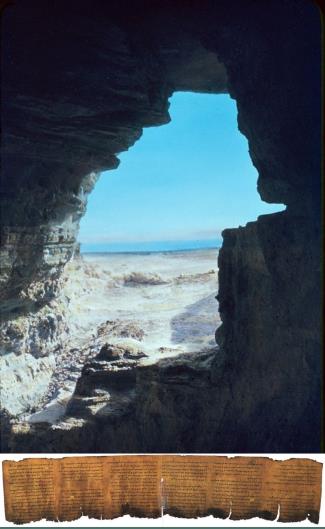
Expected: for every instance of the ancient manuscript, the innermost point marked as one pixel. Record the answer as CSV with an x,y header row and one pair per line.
x,y
149,486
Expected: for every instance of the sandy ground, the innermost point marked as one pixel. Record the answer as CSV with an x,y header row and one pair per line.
x,y
158,304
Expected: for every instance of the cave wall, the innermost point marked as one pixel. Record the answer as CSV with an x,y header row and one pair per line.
x,y
270,270
75,99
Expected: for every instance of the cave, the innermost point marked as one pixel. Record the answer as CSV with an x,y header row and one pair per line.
x,y
79,91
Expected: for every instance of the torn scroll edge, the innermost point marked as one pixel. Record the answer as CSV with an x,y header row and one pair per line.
x,y
107,487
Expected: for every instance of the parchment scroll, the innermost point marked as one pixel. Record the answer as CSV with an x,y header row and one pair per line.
x,y
149,486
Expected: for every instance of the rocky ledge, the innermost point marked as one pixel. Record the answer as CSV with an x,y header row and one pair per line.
x,y
122,405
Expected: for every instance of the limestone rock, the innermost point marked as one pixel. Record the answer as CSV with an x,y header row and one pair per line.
x,y
110,353
24,381
120,329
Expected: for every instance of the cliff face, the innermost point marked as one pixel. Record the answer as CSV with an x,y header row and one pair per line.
x,y
74,100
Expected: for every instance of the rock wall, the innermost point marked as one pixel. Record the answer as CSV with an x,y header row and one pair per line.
x,y
269,295
29,344
75,99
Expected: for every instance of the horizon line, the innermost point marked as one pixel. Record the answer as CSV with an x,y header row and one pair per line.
x,y
151,246
150,241
157,251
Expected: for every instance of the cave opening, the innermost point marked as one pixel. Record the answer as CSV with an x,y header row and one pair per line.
x,y
143,287
175,191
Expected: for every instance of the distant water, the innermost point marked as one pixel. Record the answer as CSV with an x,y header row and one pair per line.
x,y
149,246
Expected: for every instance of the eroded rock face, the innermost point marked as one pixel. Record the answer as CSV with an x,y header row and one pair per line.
x,y
269,304
29,346
25,379
101,82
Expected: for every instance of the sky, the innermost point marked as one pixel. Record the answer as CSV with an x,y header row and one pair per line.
x,y
180,185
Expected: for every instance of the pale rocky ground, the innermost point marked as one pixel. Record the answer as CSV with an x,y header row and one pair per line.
x,y
153,306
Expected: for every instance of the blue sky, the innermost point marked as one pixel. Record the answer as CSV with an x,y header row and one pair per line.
x,y
184,181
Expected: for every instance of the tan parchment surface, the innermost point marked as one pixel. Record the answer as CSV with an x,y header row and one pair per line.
x,y
149,485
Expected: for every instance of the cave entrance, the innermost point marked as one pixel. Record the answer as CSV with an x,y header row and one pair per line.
x,y
148,275
144,285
